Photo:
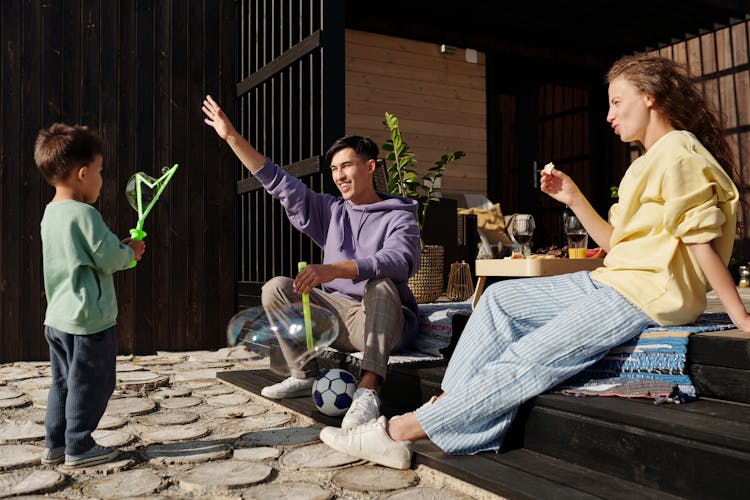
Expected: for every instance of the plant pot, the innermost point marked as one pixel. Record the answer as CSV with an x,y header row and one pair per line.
x,y
427,283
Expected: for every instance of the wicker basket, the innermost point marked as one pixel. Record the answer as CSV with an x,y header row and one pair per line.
x,y
427,284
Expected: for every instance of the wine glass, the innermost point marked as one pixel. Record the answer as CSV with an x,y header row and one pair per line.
x,y
577,238
522,230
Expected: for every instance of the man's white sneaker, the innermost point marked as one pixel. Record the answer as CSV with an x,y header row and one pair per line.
x,y
370,442
289,388
365,407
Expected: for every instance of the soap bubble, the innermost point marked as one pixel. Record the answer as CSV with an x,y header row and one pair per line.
x,y
149,188
280,334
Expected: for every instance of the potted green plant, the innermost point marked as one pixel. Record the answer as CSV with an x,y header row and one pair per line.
x,y
403,180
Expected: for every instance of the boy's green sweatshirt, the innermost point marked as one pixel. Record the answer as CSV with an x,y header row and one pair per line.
x,y
79,256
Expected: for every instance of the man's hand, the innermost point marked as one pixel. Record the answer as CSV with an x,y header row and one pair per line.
x,y
138,246
315,274
216,118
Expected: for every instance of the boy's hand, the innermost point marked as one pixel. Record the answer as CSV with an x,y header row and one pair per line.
x,y
217,119
138,246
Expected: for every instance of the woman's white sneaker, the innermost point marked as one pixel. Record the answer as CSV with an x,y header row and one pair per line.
x,y
370,442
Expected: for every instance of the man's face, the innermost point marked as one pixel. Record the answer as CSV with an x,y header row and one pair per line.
x,y
353,176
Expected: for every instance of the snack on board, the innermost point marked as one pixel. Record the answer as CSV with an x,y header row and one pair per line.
x,y
548,168
517,255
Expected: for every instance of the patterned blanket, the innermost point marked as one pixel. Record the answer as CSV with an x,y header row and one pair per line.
x,y
652,365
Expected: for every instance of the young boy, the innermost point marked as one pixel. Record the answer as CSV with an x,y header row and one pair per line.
x,y
79,255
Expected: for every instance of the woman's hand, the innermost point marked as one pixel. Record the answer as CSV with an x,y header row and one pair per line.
x,y
216,118
561,187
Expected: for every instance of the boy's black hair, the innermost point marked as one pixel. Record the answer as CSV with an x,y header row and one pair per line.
x,y
363,146
62,147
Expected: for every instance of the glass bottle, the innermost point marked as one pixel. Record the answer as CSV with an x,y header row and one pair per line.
x,y
744,277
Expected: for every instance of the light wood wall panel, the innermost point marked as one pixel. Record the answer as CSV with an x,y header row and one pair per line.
x,y
440,101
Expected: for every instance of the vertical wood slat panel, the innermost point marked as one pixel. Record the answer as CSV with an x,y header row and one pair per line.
x,y
10,181
32,309
125,131
160,248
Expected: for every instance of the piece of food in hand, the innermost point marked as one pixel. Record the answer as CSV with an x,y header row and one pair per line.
x,y
595,253
548,168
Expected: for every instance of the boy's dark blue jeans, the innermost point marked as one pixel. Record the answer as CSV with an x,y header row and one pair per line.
x,y
83,379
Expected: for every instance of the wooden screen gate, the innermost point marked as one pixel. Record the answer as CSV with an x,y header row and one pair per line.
x,y
291,68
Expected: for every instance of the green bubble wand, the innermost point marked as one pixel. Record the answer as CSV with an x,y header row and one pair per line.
x,y
306,312
137,194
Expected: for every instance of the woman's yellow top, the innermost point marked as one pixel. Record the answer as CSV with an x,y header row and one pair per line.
x,y
673,195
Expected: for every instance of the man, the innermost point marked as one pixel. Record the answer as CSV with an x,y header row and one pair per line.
x,y
371,246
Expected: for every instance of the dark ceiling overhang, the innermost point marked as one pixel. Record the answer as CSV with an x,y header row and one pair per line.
x,y
593,32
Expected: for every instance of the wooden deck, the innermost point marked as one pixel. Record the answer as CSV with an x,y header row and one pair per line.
x,y
596,447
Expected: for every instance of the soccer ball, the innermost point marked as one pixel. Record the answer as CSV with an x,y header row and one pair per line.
x,y
333,390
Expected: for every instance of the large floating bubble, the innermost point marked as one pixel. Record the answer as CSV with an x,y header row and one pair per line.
x,y
280,334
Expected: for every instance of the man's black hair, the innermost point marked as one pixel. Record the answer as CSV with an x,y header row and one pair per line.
x,y
363,146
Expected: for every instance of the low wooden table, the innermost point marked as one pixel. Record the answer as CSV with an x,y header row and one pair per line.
x,y
528,268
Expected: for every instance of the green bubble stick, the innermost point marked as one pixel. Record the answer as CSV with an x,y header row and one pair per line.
x,y
137,195
306,311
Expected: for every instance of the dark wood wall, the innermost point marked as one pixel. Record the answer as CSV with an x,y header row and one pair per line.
x,y
136,71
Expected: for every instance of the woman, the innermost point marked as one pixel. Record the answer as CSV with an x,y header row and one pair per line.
x,y
669,239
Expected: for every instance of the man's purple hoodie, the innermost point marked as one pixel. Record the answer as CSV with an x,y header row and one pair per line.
x,y
381,238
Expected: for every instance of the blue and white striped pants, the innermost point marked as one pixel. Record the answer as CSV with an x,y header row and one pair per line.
x,y
524,337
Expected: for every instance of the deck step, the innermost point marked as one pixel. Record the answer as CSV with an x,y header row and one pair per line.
x,y
719,365
696,450
516,474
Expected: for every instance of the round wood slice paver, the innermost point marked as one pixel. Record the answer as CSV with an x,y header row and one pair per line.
x,y
188,452
171,433
287,437
132,483
11,373
14,432
199,384
14,403
29,384
29,481
39,397
6,393
130,406
204,365
118,464
316,456
30,414
111,422
233,353
167,393
129,367
195,375
157,361
114,439
169,418
257,454
369,478
288,491
222,476
141,381
178,403
240,411
228,399
17,455
241,426
214,390
427,493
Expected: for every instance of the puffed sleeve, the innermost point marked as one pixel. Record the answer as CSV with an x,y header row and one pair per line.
x,y
692,191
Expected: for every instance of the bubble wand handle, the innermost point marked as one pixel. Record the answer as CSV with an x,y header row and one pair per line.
x,y
306,311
